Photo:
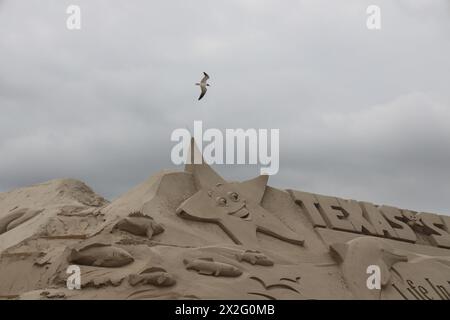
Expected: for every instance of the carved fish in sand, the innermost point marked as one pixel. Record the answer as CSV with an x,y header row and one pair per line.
x,y
17,218
140,225
101,256
158,279
254,257
208,266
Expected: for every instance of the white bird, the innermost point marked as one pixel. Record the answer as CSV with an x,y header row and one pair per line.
x,y
203,85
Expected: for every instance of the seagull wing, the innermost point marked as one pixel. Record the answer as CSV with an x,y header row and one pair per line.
x,y
205,78
203,92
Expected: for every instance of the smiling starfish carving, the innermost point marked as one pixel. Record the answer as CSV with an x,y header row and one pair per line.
x,y
234,206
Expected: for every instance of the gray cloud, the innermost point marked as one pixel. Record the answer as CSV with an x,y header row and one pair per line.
x,y
362,114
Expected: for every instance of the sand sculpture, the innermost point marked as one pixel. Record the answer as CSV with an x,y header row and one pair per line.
x,y
16,218
208,266
254,257
140,225
154,276
366,251
99,255
234,207
193,235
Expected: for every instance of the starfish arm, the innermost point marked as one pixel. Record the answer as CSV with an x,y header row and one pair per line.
x,y
270,225
254,189
204,176
241,232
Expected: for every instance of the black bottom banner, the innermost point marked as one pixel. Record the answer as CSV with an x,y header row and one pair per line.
x,y
218,309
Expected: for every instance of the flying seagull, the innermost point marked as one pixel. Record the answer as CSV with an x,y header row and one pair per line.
x,y
203,85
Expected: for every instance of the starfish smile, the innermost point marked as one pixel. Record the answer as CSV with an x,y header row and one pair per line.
x,y
242,212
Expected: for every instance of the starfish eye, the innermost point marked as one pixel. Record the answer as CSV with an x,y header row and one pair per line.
x,y
221,201
234,196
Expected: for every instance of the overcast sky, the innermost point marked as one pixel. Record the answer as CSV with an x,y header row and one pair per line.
x,y
362,114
